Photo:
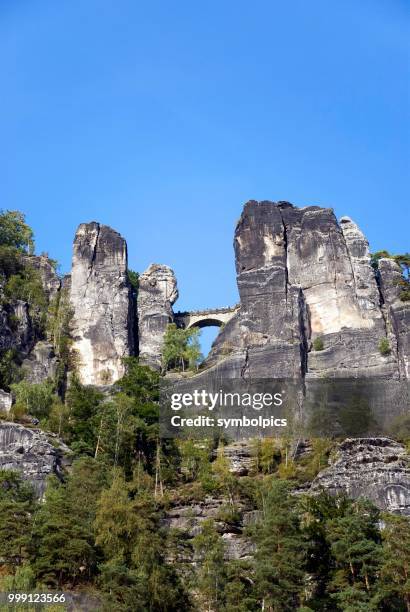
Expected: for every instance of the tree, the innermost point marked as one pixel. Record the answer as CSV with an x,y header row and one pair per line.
x,y
280,549
34,398
14,231
354,540
211,575
83,403
394,585
62,540
181,347
134,573
16,508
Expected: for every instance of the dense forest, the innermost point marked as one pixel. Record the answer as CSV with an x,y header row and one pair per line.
x,y
101,527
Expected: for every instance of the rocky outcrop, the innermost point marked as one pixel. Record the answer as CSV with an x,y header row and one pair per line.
x,y
16,329
6,401
42,363
188,518
49,277
301,275
29,451
101,301
375,468
397,313
157,292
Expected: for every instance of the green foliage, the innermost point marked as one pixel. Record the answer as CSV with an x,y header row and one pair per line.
x,y
133,279
16,507
14,232
318,344
394,587
10,260
211,577
34,399
344,551
134,574
83,404
181,347
384,346
195,459
62,541
26,285
59,317
280,554
404,262
9,369
375,257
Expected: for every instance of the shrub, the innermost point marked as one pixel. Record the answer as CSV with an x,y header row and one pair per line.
x,y
318,344
384,346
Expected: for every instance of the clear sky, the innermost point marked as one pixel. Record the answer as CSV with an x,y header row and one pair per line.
x,y
162,118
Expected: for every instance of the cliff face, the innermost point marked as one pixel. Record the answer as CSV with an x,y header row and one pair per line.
x,y
375,468
157,292
101,300
301,276
29,452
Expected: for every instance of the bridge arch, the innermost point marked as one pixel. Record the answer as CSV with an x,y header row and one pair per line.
x,y
205,318
205,322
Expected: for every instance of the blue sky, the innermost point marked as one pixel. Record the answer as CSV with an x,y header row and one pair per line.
x,y
161,119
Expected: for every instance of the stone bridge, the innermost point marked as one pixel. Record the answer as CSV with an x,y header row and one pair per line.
x,y
205,318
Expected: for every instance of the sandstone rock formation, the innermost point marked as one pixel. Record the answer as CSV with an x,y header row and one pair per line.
x,y
6,401
49,278
28,451
397,313
157,292
301,276
41,364
101,301
375,468
16,330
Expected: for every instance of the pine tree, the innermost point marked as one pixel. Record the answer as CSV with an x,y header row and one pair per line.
x,y
211,574
62,548
280,555
16,508
394,585
355,547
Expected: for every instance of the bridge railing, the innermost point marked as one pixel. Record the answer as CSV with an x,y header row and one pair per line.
x,y
208,311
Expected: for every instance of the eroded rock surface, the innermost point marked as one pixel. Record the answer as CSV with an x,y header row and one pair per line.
x,y
29,451
375,468
157,292
397,313
42,363
302,275
101,300
49,278
6,401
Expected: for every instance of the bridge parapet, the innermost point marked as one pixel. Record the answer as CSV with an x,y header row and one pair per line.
x,y
205,318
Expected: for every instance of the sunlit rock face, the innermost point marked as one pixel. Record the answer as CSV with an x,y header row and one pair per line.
x,y
375,468
49,278
157,292
101,301
397,313
303,275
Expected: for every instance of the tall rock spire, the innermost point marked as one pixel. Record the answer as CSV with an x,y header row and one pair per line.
x,y
101,301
